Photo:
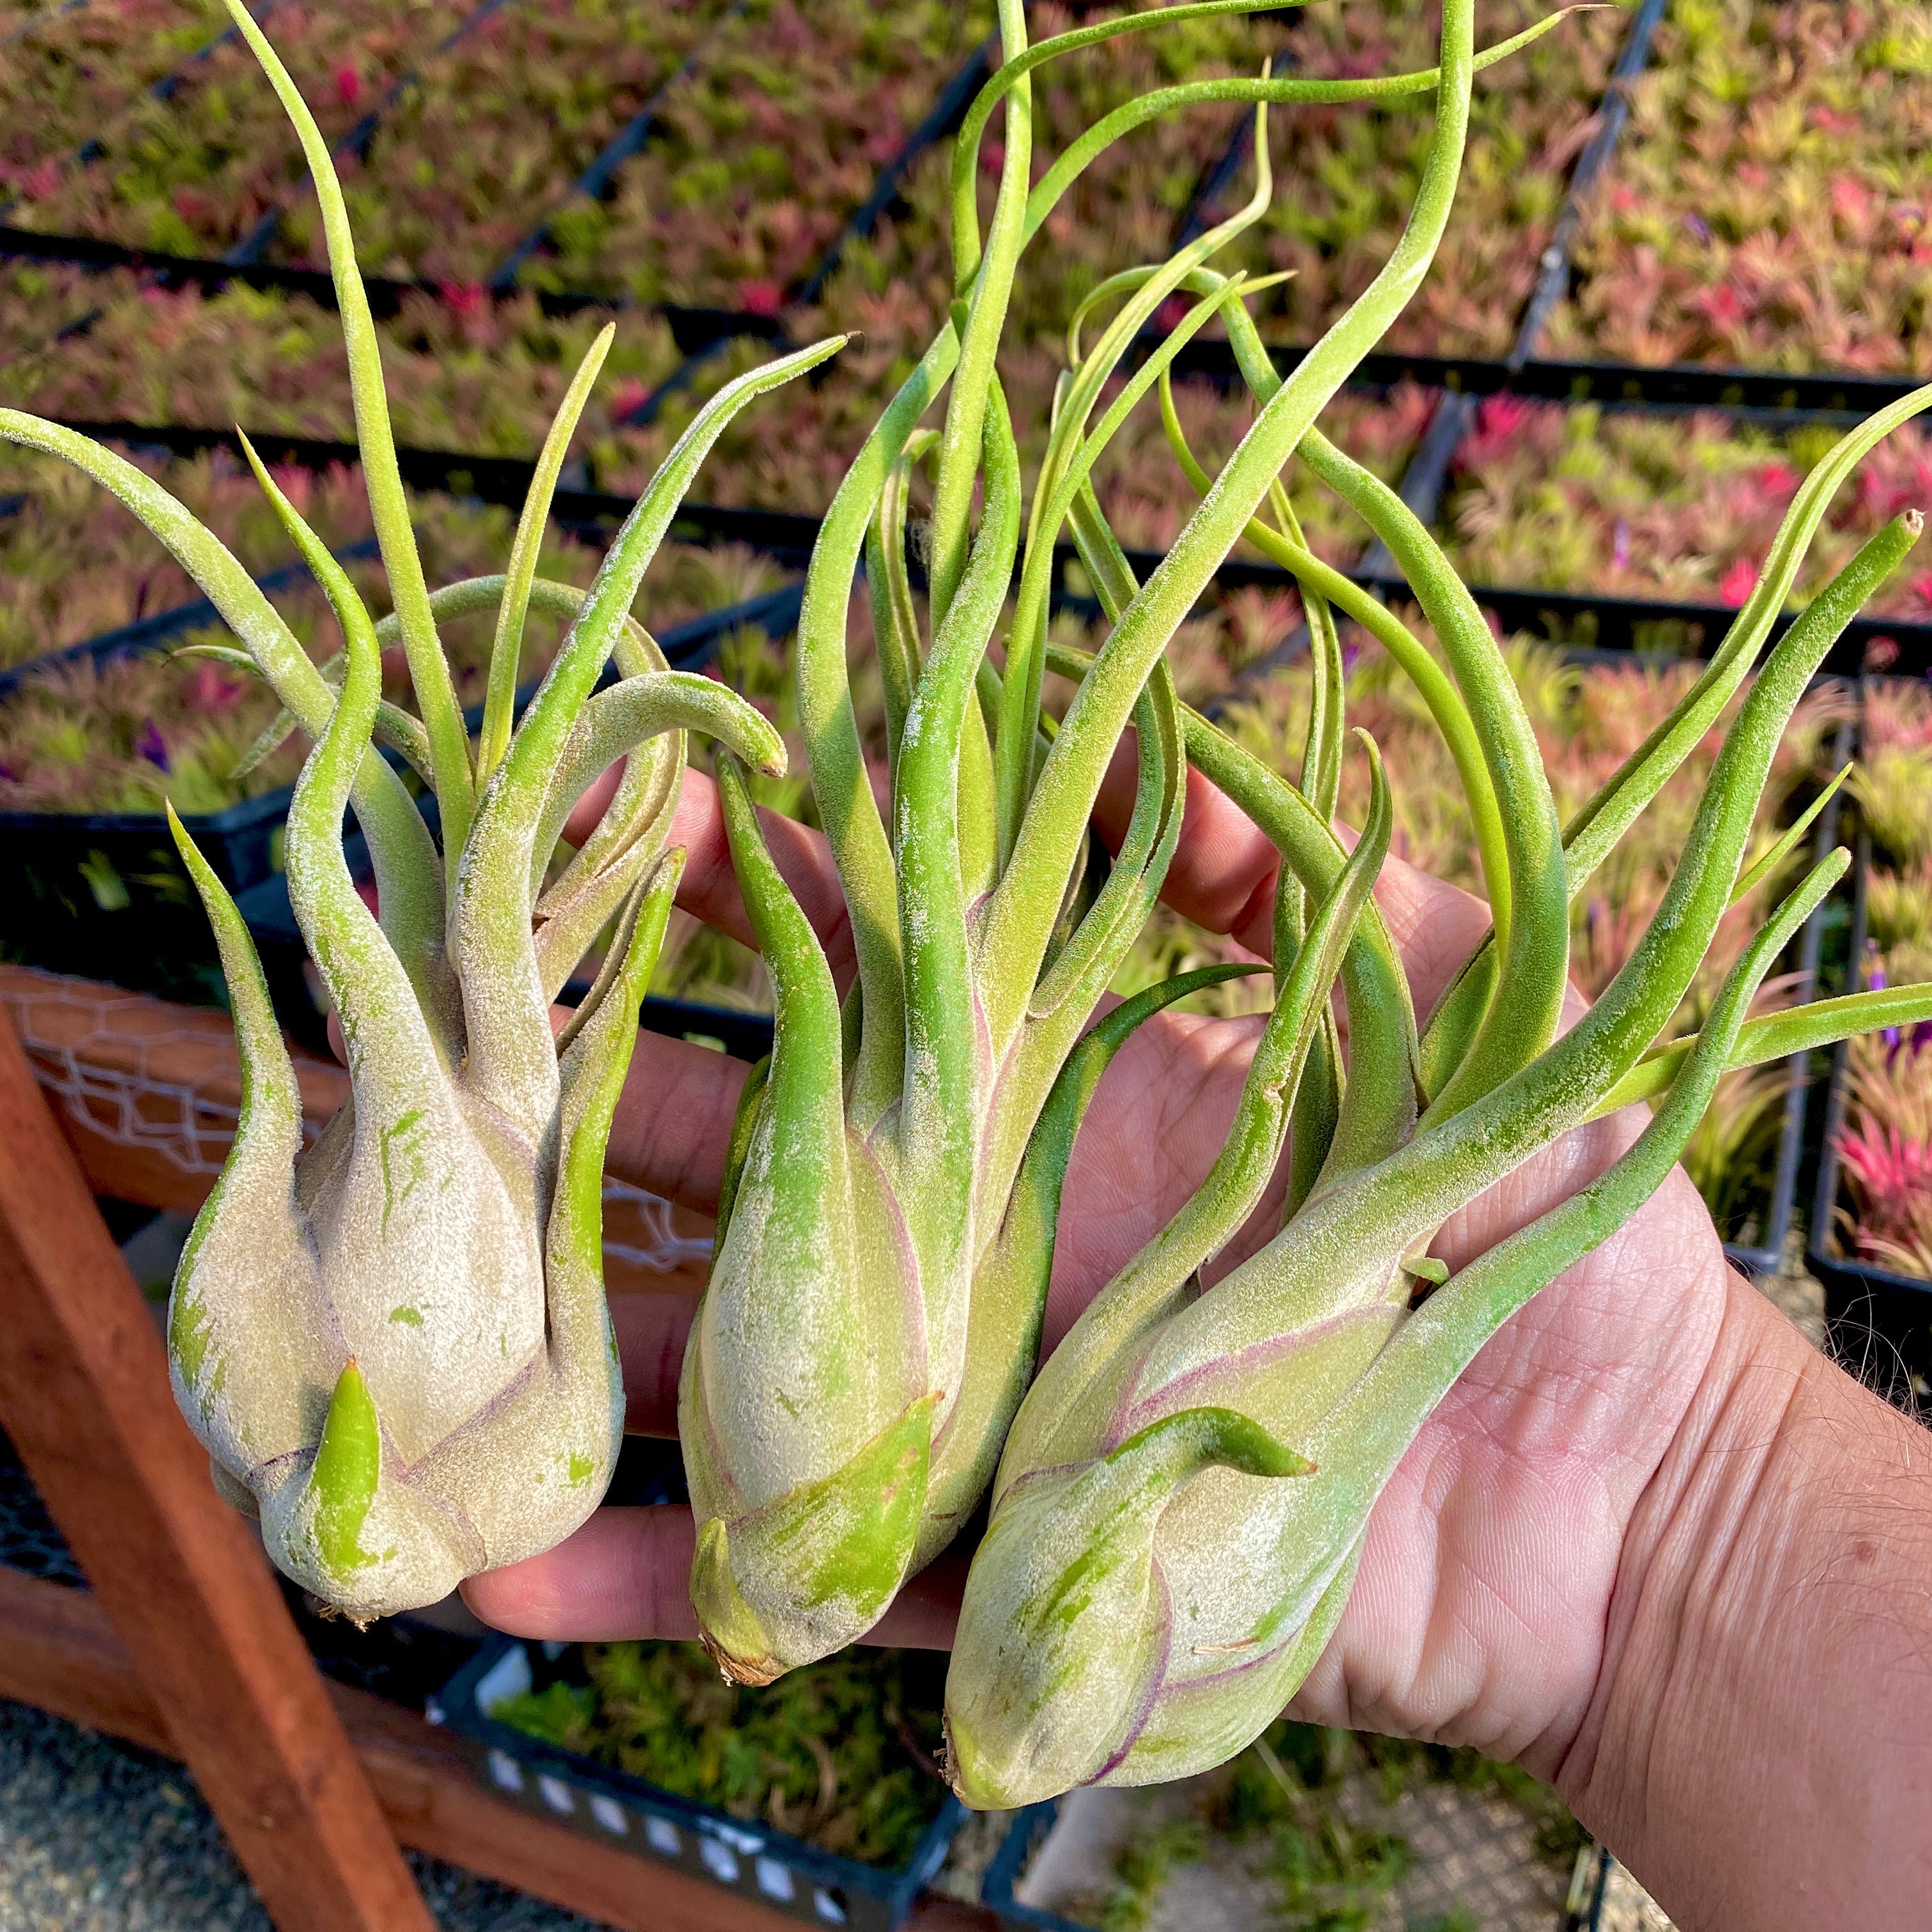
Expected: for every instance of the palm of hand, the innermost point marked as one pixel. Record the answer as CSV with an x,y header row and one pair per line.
x,y
1479,1612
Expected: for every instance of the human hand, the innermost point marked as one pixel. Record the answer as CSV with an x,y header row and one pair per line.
x,y
1652,1546
1481,1604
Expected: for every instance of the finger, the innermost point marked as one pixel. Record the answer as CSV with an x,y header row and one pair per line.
x,y
592,805
709,887
672,1129
651,1328
1222,877
673,1126
626,1574
674,1119
1223,871
1434,927
1224,868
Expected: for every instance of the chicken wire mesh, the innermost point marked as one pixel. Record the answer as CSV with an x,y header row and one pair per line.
x,y
164,1082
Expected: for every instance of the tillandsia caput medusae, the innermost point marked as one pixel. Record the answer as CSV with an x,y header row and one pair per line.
x,y
874,1308
395,1346
1183,1496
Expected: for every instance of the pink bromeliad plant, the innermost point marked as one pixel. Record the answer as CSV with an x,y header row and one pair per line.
x,y
485,143
1886,1151
71,69
192,173
762,151
1766,205
1677,508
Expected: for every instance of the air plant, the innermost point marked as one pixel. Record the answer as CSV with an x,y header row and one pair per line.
x,y
1588,722
1129,203
1381,433
1885,1150
1182,1499
395,1347
1357,174
895,294
874,1304
798,461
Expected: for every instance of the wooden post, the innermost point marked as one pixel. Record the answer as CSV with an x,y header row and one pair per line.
x,y
84,1393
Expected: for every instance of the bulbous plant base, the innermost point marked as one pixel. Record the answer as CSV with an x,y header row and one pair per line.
x,y
395,1345
1072,1637
812,1571
372,1539
1185,1726
1192,1728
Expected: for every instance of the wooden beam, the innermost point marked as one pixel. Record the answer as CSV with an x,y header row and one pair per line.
x,y
84,1394
58,1650
83,1391
147,1094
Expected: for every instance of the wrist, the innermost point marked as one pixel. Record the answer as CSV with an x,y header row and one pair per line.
x,y
1756,1746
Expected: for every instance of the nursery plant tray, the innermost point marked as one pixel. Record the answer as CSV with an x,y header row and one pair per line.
x,y
1878,1324
1471,1859
105,894
1027,1833
781,1873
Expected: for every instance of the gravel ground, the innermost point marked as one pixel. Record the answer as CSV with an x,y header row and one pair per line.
x,y
100,1837
1627,1907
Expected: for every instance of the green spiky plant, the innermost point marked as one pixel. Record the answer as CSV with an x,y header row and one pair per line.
x,y
1184,1494
874,1309
395,1346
